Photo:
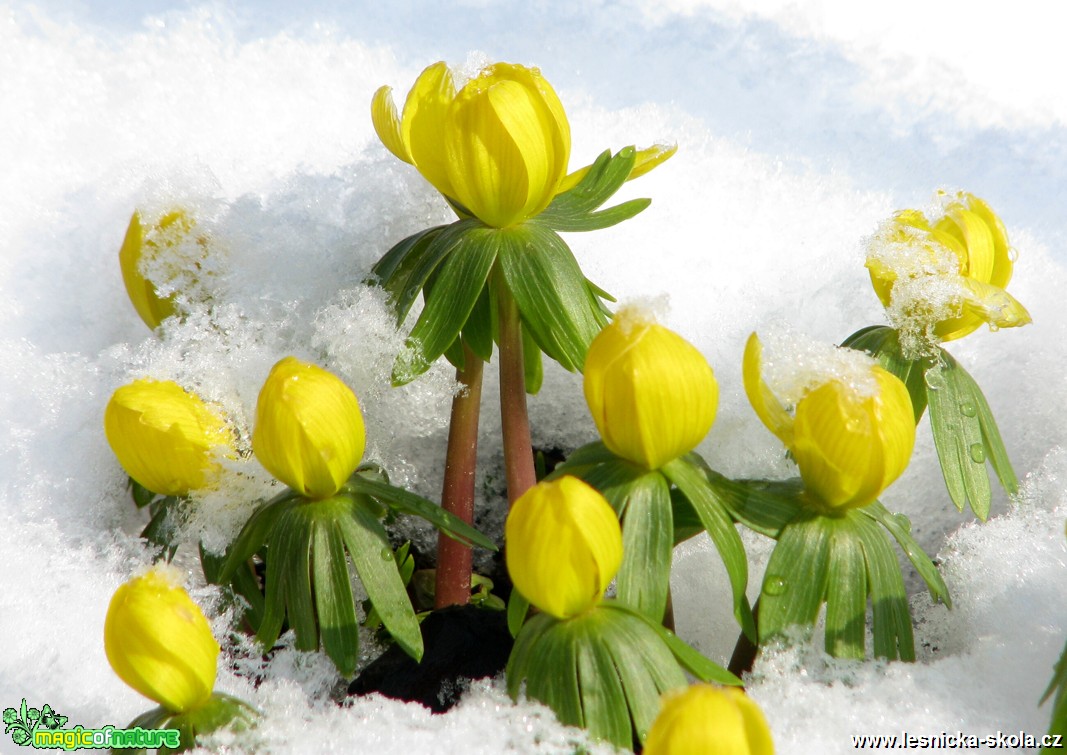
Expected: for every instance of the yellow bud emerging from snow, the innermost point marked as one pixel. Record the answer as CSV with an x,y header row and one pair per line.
x,y
850,441
564,546
143,243
499,147
309,429
158,641
947,274
707,720
652,394
166,438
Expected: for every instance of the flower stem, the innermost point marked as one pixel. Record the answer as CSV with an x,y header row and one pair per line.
x,y
453,581
518,450
744,655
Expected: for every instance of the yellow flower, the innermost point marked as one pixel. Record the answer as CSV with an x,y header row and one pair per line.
x,y
147,242
564,546
166,438
965,247
309,429
499,147
158,641
849,441
707,720
652,395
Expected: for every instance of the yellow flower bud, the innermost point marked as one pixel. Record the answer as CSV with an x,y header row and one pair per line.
x,y
850,441
564,546
707,720
652,394
948,274
158,641
499,147
166,438
309,429
144,243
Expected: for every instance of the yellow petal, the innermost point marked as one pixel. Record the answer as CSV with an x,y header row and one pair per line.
x,y
422,126
850,447
387,124
158,642
309,430
165,437
767,406
564,546
1002,262
652,394
708,720
975,236
507,144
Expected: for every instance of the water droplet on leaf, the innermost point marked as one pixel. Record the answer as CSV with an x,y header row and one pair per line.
x,y
977,452
386,554
775,586
967,409
934,379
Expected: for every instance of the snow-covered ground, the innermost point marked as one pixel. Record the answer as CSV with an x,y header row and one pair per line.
x,y
799,129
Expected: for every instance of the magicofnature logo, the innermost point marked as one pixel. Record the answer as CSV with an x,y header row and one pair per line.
x,y
43,728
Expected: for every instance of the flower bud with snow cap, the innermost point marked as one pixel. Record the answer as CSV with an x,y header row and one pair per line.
x,y
847,422
708,720
652,394
146,242
947,274
564,546
309,429
158,641
166,438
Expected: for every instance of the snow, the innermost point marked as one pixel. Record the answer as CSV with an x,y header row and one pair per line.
x,y
799,131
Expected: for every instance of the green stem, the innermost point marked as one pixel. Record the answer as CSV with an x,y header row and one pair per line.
x,y
518,450
453,582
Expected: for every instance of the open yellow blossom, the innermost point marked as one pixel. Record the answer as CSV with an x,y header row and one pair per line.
x,y
708,720
145,242
158,641
564,546
652,394
497,149
309,430
850,443
166,438
951,270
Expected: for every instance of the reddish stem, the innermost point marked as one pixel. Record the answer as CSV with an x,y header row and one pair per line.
x,y
518,450
453,582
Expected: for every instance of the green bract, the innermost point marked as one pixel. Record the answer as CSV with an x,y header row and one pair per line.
x,y
604,670
462,268
843,559
307,580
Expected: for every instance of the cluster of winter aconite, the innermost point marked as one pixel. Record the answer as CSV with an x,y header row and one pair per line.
x,y
501,279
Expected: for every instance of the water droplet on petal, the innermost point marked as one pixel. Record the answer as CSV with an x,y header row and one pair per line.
x,y
977,452
775,586
967,409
